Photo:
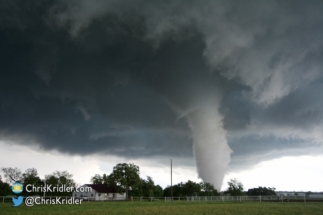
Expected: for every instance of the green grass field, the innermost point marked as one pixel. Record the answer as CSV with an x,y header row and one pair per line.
x,y
171,208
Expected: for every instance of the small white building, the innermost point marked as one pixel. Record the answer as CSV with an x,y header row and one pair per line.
x,y
316,196
286,193
98,192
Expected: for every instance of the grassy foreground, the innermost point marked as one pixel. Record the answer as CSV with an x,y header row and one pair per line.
x,y
171,208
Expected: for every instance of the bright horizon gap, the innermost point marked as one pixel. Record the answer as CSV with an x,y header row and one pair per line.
x,y
304,175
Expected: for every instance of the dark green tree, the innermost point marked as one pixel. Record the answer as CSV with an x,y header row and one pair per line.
x,y
98,179
58,179
53,181
138,189
207,189
4,188
31,178
148,187
177,190
191,188
158,191
125,177
12,174
262,191
235,188
167,192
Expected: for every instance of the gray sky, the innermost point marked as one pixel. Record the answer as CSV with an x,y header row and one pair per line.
x,y
126,79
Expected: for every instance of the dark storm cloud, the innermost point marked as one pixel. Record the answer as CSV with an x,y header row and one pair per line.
x,y
252,149
87,77
84,96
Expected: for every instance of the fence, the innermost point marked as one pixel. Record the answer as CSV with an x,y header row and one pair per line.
x,y
234,198
4,199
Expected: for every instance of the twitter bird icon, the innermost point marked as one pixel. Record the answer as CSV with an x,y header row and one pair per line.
x,y
17,201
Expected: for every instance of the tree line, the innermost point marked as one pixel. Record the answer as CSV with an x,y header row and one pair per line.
x,y
30,176
125,179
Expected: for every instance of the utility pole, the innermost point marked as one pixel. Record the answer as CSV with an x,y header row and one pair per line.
x,y
171,179
44,187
